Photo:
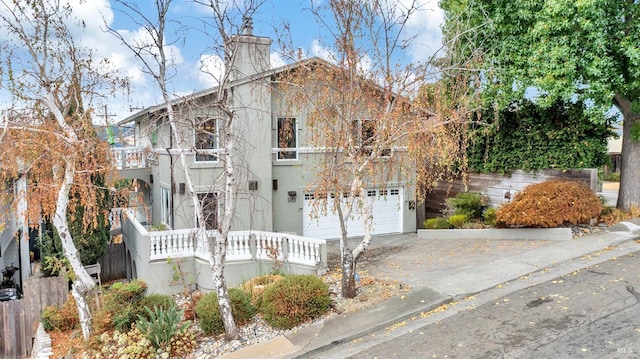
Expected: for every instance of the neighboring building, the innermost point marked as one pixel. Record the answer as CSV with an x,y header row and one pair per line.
x,y
14,246
274,172
615,148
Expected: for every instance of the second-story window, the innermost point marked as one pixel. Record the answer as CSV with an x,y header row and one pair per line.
x,y
287,138
206,140
364,135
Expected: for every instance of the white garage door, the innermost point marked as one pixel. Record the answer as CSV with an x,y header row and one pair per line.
x,y
386,211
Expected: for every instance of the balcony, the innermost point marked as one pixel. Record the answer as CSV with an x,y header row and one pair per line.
x,y
133,162
130,157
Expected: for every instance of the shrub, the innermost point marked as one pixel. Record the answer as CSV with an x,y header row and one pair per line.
x,y
122,305
55,265
255,287
471,204
123,319
550,204
437,223
489,216
208,312
160,325
61,318
612,176
189,307
458,220
295,299
127,292
132,344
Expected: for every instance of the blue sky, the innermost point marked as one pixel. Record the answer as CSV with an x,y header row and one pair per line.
x,y
193,49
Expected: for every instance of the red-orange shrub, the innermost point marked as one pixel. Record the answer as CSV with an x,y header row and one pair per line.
x,y
550,204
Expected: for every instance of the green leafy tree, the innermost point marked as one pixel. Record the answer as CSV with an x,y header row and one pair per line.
x,y
91,241
527,137
569,50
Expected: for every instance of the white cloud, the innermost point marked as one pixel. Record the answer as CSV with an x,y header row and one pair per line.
x,y
322,52
277,60
426,23
210,70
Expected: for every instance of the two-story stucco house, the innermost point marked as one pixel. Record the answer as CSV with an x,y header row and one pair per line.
x,y
273,171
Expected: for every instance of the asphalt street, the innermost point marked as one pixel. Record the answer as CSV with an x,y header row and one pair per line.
x,y
589,313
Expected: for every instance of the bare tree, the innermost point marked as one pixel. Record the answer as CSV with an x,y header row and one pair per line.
x,y
360,113
51,140
375,117
155,61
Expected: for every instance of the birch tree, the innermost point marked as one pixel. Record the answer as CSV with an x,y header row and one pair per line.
x,y
156,62
49,136
360,117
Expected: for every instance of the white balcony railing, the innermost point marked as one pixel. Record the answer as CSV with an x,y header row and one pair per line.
x,y
241,245
130,157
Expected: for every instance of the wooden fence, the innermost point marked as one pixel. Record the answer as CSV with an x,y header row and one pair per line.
x,y
19,318
499,188
113,263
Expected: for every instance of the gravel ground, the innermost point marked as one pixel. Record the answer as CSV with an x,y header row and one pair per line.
x,y
370,292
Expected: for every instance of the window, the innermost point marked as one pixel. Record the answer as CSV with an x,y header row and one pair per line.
x,y
363,133
165,208
206,141
287,138
209,203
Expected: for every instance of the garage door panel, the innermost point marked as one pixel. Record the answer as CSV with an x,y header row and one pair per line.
x,y
386,212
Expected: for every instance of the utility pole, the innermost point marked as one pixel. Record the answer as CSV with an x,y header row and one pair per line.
x,y
110,136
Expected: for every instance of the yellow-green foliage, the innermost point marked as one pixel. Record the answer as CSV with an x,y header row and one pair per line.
x,y
437,223
208,312
121,305
133,345
550,204
294,300
458,220
159,325
63,318
489,216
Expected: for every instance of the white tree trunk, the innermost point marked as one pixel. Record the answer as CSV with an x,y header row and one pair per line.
x,y
219,252
82,283
349,259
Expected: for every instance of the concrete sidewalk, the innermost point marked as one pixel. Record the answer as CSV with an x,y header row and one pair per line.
x,y
440,272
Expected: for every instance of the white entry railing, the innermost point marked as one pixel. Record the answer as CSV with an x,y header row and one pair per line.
x,y
241,245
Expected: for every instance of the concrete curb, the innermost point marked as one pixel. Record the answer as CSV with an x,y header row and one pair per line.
x,y
358,324
527,234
